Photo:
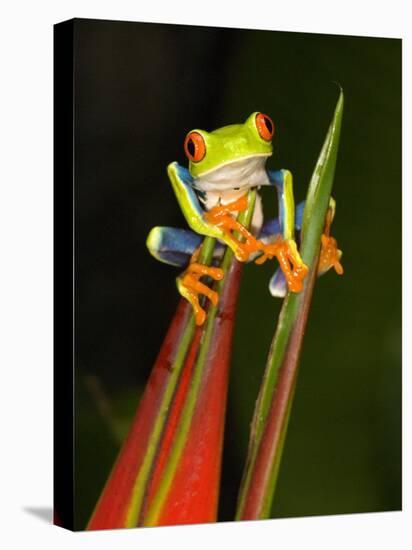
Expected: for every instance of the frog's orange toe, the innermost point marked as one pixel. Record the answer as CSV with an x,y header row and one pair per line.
x,y
338,268
296,277
200,316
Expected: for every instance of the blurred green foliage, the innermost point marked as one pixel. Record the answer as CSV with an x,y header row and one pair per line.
x,y
343,449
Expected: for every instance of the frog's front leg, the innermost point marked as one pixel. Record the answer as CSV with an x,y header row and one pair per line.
x,y
329,255
218,221
222,216
284,246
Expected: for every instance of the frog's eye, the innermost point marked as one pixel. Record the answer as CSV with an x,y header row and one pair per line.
x,y
195,146
265,126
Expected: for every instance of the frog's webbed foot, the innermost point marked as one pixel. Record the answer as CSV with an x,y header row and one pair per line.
x,y
289,260
330,255
221,216
190,286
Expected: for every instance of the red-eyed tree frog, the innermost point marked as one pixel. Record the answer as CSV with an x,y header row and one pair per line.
x,y
223,166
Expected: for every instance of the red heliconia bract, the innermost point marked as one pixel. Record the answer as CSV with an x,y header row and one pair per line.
x,y
192,494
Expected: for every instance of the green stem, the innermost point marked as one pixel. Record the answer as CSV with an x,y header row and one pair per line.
x,y
143,476
276,394
156,505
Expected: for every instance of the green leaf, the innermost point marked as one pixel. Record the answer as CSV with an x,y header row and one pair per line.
x,y
275,399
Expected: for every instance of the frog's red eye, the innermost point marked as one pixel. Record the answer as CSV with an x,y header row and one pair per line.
x,y
195,147
265,126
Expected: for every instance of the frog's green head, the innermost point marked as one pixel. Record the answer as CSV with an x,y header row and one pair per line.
x,y
208,151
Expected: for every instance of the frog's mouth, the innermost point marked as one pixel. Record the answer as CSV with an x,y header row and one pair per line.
x,y
236,175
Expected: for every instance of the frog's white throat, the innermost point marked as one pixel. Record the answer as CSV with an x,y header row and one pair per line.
x,y
232,180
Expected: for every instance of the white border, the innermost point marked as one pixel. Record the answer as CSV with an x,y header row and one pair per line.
x,y
26,272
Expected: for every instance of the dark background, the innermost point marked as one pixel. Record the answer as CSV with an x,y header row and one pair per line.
x,y
138,89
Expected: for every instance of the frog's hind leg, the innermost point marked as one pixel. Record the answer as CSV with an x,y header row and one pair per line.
x,y
173,246
330,254
181,248
190,286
